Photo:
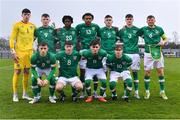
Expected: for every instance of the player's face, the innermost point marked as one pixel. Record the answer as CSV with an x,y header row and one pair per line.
x,y
95,48
67,23
118,52
43,50
68,49
129,21
88,20
108,22
151,22
26,17
45,21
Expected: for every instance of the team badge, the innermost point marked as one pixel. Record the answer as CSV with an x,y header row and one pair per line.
x,y
123,63
48,61
73,32
74,57
43,64
93,28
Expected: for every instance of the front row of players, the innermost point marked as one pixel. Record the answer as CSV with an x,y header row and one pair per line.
x,y
44,63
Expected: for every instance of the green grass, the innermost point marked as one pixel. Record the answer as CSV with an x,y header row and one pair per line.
x,y
153,108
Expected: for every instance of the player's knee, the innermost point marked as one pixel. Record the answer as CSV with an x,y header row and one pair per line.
x,y
147,73
129,84
26,70
160,72
87,83
79,86
59,86
112,85
103,83
17,71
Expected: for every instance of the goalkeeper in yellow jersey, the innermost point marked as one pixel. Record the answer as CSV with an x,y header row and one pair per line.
x,y
21,45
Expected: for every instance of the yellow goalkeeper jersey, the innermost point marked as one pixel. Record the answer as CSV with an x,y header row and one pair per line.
x,y
22,36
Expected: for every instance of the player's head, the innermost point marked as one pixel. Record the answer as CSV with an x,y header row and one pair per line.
x,y
26,14
95,46
43,48
118,49
67,20
129,19
108,20
68,47
45,19
88,18
151,20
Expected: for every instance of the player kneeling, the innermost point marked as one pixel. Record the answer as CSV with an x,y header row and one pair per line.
x,y
118,64
43,63
68,62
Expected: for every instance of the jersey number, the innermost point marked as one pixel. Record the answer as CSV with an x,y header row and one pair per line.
x,y
69,62
68,38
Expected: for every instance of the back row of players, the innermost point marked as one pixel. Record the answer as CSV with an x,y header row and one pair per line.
x,y
94,56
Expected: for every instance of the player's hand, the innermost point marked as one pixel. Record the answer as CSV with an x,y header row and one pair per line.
x,y
161,43
45,82
40,82
15,57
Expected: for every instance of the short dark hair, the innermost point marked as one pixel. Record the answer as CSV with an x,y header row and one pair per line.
x,y
43,44
95,42
88,14
65,17
68,43
118,45
45,15
150,16
129,16
108,16
25,10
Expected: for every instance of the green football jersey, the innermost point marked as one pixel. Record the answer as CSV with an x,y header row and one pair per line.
x,y
108,39
68,63
94,61
43,62
65,34
118,64
46,34
129,37
151,36
86,34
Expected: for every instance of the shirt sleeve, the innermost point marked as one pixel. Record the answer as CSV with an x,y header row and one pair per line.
x,y
13,36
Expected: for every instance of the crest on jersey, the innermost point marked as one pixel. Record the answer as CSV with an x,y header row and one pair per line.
x,y
45,34
93,28
74,57
134,31
48,61
156,31
50,31
99,58
73,32
31,27
123,63
113,32
43,64
38,61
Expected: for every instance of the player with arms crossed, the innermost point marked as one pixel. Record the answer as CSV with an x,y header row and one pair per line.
x,y
129,38
68,61
21,45
43,63
154,38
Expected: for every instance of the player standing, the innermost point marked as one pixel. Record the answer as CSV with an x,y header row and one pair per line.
x,y
155,39
128,35
21,45
87,32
